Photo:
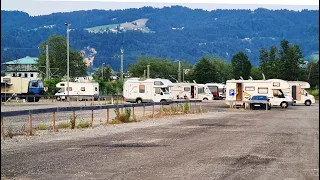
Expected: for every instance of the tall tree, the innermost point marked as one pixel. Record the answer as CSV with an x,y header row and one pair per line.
x,y
103,73
290,61
204,71
313,74
224,70
241,65
58,59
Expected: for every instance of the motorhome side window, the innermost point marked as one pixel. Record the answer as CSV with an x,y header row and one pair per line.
x,y
263,90
158,83
82,89
249,88
141,88
186,89
157,90
278,93
276,84
200,90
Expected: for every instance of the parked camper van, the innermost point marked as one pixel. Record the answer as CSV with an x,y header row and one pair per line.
x,y
299,93
218,90
147,90
242,91
191,91
77,88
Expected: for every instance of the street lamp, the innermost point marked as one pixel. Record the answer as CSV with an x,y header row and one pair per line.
x,y
68,75
179,70
121,63
102,70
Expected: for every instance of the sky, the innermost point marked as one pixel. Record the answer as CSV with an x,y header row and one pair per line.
x,y
44,7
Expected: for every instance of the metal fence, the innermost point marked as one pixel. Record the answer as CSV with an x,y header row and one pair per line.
x,y
54,111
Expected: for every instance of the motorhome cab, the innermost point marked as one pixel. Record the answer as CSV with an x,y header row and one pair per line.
x,y
242,90
191,91
218,90
77,88
299,93
147,90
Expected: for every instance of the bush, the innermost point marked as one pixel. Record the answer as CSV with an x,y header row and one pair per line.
x,y
315,93
83,124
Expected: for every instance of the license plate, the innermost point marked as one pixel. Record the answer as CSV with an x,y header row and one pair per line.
x,y
257,105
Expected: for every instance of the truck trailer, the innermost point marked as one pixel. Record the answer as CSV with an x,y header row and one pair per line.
x,y
23,87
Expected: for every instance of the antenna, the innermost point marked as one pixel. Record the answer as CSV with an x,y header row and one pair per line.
x,y
194,81
263,77
250,78
174,79
241,77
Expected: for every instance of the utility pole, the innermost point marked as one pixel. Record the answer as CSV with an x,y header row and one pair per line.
x,y
47,63
102,70
148,71
68,75
183,71
121,63
179,71
144,73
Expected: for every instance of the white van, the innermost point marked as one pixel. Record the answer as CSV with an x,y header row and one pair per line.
x,y
218,90
299,93
147,90
77,88
191,91
241,91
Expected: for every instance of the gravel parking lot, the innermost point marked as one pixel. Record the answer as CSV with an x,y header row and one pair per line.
x,y
221,143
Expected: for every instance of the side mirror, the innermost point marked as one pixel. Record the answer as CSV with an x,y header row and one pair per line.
x,y
306,94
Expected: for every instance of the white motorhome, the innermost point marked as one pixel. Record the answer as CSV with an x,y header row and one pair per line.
x,y
147,90
218,90
241,91
77,88
191,91
299,93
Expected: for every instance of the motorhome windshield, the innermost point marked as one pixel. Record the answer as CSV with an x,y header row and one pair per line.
x,y
165,90
61,90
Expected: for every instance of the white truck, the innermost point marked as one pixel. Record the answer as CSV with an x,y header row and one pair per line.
x,y
80,90
191,91
241,91
147,90
218,90
299,93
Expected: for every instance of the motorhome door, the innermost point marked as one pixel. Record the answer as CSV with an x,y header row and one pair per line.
x,y
239,92
192,92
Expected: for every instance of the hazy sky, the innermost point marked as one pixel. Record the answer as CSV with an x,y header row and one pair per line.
x,y
42,7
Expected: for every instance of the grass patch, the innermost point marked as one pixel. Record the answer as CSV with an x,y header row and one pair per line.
x,y
42,127
123,117
63,125
9,132
83,124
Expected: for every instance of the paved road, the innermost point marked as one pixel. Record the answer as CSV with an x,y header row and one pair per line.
x,y
235,144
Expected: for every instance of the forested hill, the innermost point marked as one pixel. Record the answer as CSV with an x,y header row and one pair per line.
x,y
176,32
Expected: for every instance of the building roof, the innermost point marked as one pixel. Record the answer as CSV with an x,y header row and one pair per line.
x,y
25,60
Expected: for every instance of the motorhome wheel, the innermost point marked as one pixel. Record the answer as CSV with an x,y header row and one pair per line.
x,y
284,105
307,103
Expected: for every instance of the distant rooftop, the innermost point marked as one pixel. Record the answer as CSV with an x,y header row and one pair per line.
x,y
25,60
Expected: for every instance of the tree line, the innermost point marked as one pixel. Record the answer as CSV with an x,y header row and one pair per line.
x,y
285,62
